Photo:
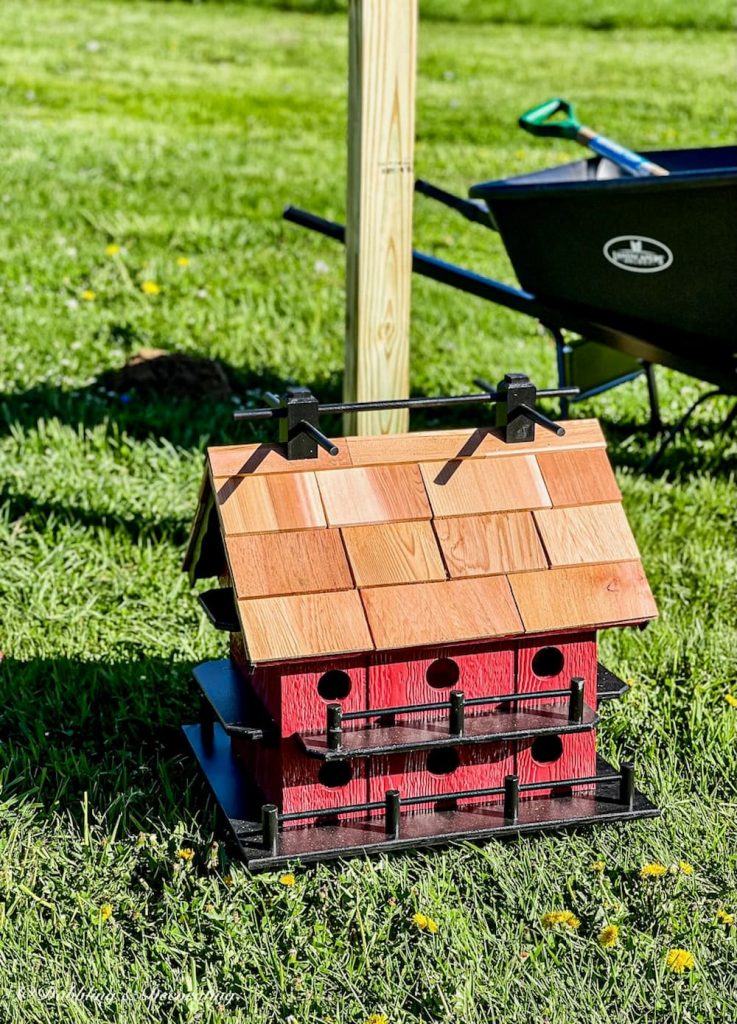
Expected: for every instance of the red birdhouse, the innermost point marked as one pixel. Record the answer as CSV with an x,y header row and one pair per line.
x,y
413,638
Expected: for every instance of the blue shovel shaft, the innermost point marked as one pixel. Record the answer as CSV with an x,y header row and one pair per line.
x,y
632,162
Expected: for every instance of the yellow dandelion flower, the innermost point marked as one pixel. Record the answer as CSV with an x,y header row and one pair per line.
x,y
150,288
425,923
653,870
685,868
725,918
562,917
88,295
183,261
112,249
679,960
377,1018
608,936
227,880
731,700
105,912
598,866
287,879
186,853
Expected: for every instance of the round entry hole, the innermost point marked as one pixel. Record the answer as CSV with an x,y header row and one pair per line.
x,y
335,774
548,661
443,761
334,685
547,749
442,673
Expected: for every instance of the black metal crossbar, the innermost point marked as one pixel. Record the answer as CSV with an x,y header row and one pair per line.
x,y
388,404
456,706
394,801
298,412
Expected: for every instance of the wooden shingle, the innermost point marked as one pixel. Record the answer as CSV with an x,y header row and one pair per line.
x,y
587,533
393,553
261,504
583,595
417,614
304,626
487,545
297,562
378,494
579,477
475,486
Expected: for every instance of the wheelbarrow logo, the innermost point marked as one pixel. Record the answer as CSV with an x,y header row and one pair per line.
x,y
638,254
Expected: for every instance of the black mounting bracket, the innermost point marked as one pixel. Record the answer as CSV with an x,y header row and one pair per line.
x,y
298,412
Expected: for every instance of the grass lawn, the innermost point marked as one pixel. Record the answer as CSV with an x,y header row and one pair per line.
x,y
178,133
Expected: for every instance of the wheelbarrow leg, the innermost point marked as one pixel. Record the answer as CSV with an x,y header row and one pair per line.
x,y
655,425
731,419
680,426
561,351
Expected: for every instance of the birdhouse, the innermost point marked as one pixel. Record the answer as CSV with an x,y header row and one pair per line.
x,y
413,629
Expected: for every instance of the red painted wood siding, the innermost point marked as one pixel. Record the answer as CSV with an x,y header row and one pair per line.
x,y
480,766
578,659
481,672
291,693
577,760
291,780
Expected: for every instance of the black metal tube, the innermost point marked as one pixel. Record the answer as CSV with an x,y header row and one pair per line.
x,y
332,812
270,827
511,798
542,421
575,703
335,727
391,813
407,403
627,784
472,209
504,698
319,437
510,698
411,801
207,723
457,713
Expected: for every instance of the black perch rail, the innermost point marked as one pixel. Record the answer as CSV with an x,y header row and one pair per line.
x,y
642,266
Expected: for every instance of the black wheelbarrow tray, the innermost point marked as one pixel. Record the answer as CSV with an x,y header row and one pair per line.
x,y
656,254
645,266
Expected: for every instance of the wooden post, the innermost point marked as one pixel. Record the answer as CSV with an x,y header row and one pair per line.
x,y
381,130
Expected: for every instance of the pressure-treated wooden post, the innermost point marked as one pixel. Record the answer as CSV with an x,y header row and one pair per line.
x,y
381,129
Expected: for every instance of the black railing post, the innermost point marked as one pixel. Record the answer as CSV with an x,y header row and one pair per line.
x,y
335,727
457,713
207,724
627,784
575,703
391,813
270,827
511,798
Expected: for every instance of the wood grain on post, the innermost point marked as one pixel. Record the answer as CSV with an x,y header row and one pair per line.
x,y
381,127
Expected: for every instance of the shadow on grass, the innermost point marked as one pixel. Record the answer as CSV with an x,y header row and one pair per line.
x,y
703,448
109,729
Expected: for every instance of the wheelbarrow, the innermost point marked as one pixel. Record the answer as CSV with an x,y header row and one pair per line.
x,y
643,266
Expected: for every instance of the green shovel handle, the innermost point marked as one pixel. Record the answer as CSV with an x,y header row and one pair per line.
x,y
537,121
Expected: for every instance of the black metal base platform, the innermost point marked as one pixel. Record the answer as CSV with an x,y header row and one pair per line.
x,y
241,809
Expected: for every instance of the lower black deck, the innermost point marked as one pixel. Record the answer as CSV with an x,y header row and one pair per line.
x,y
241,809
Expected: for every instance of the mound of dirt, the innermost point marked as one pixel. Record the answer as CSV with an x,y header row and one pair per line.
x,y
156,373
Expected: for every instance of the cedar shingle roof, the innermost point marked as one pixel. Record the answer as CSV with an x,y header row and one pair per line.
x,y
419,539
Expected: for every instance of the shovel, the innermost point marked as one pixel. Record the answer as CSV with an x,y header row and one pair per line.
x,y
545,120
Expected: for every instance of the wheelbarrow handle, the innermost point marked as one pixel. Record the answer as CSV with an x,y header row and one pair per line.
x,y
538,120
